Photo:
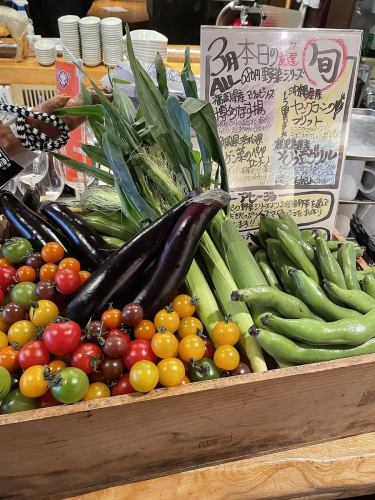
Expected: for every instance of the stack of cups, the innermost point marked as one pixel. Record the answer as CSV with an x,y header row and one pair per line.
x,y
69,34
45,52
89,28
113,50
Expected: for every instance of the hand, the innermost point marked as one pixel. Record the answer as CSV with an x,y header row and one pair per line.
x,y
9,142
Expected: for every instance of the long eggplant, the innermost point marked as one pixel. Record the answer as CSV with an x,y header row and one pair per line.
x,y
88,245
28,224
117,272
179,250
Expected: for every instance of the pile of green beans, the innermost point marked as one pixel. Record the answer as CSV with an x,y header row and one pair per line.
x,y
317,306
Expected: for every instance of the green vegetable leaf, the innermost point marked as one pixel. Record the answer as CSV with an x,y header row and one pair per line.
x,y
95,154
101,175
86,94
86,110
161,76
188,78
179,118
123,104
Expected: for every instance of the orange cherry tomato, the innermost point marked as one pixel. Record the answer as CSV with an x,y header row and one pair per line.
x,y
84,275
47,272
56,365
144,330
4,262
52,252
9,358
185,380
111,318
25,273
70,263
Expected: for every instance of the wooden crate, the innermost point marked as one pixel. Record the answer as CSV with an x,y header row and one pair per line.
x,y
66,450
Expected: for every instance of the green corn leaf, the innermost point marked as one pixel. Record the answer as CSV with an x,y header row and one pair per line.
x,y
161,76
179,118
188,78
124,105
120,81
86,169
86,94
95,154
86,110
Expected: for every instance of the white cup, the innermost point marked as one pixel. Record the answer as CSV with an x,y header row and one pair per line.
x,y
367,186
344,214
367,214
351,179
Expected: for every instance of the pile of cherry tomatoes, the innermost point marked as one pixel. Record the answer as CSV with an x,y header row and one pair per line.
x,y
47,360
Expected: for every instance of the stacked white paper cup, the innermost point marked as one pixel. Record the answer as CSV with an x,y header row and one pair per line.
x,y
89,29
147,44
112,43
45,52
69,34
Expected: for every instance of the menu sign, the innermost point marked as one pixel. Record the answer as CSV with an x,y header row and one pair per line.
x,y
281,99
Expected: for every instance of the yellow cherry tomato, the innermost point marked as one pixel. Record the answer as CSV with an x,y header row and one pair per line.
x,y
33,383
70,263
189,326
56,365
167,318
164,345
171,372
226,357
226,333
185,380
21,332
144,330
184,305
44,312
191,347
97,390
5,262
3,340
144,376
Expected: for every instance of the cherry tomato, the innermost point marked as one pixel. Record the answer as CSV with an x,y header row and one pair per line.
x,y
5,262
15,402
185,381
112,368
13,312
97,377
70,263
62,338
123,386
17,250
226,357
25,273
35,260
97,390
210,349
52,252
33,353
164,345
4,327
67,281
87,357
144,376
7,276
145,330
5,383
204,369
138,350
84,276
47,400
226,333
72,386
171,372
23,294
3,340
191,347
241,369
95,330
132,314
46,290
184,305
43,313
111,318
2,296
116,343
167,318
47,272
56,365
189,326
21,332
33,383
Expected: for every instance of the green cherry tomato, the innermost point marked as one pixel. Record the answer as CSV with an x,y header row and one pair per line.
x,y
15,402
5,382
72,387
17,250
204,369
24,294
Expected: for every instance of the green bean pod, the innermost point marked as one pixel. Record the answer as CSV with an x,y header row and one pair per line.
x,y
267,297
315,298
288,351
362,274
336,244
270,226
359,251
293,227
280,263
308,249
265,267
294,251
329,266
348,261
309,235
356,299
114,242
349,331
369,285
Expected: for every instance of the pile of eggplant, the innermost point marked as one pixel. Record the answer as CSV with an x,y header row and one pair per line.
x,y
149,269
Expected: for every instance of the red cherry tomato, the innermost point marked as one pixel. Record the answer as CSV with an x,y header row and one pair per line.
x,y
67,281
47,400
7,276
62,338
2,296
138,350
33,353
123,386
210,349
88,357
